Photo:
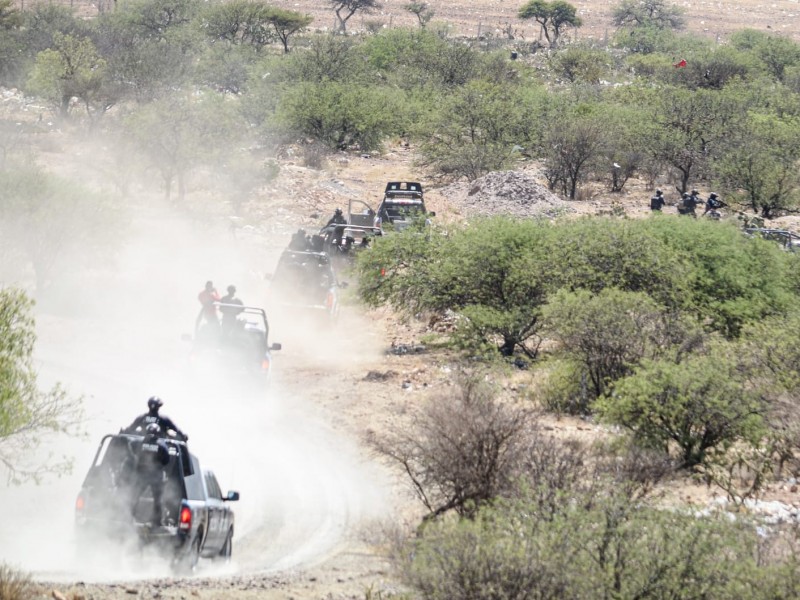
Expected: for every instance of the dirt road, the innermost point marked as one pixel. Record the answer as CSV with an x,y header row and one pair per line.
x,y
310,493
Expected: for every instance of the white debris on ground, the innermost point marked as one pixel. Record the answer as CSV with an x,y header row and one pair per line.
x,y
512,193
772,512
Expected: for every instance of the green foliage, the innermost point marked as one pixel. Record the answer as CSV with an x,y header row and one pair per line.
x,y
554,17
775,53
690,127
50,224
341,116
731,279
238,22
608,333
252,23
422,11
499,298
179,133
72,69
26,413
345,9
477,129
699,404
148,55
657,14
759,167
598,253
597,546
581,64
648,39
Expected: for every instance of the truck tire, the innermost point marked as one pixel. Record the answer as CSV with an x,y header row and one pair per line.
x,y
227,548
186,562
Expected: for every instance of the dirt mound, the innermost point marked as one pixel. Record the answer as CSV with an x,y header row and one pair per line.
x,y
512,193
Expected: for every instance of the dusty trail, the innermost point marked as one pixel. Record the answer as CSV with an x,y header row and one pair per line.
x,y
306,487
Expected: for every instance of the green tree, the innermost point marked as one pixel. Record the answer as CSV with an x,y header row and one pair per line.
x,y
238,22
150,46
50,224
688,128
609,333
345,9
339,115
287,23
572,141
476,130
72,69
177,134
11,43
649,13
700,404
729,280
554,17
422,11
28,414
581,64
759,167
500,300
774,52
597,544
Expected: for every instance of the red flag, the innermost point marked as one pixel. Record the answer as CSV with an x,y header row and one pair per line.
x,y
679,64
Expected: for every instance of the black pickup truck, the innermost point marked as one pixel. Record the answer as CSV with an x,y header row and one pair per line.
x,y
113,504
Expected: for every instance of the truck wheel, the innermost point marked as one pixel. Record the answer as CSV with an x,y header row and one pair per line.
x,y
227,547
187,562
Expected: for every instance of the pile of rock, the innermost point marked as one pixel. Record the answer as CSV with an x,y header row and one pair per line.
x,y
512,193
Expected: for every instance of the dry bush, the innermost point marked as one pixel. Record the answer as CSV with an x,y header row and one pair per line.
x,y
462,450
14,584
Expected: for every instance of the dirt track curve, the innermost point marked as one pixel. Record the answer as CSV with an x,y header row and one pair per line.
x,y
308,490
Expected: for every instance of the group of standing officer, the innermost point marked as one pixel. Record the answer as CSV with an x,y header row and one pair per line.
x,y
689,202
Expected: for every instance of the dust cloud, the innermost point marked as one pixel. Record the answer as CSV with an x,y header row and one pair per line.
x,y
116,339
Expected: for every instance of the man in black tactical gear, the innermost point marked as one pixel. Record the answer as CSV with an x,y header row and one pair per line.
x,y
152,458
164,423
688,204
657,202
712,204
337,218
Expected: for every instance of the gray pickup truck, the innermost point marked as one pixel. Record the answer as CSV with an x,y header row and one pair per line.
x,y
116,504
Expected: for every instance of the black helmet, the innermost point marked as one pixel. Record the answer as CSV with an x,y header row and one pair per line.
x,y
153,429
338,211
712,195
231,289
695,192
154,403
659,192
209,285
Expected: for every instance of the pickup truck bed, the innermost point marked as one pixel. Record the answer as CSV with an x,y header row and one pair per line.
x,y
114,505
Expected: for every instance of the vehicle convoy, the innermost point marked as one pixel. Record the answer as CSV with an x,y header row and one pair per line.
x,y
118,497
402,205
240,344
306,280
789,240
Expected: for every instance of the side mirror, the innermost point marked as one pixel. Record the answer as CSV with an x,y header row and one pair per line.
x,y
275,347
186,337
231,497
342,284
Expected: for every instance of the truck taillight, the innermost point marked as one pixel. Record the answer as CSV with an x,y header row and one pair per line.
x,y
80,503
185,521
